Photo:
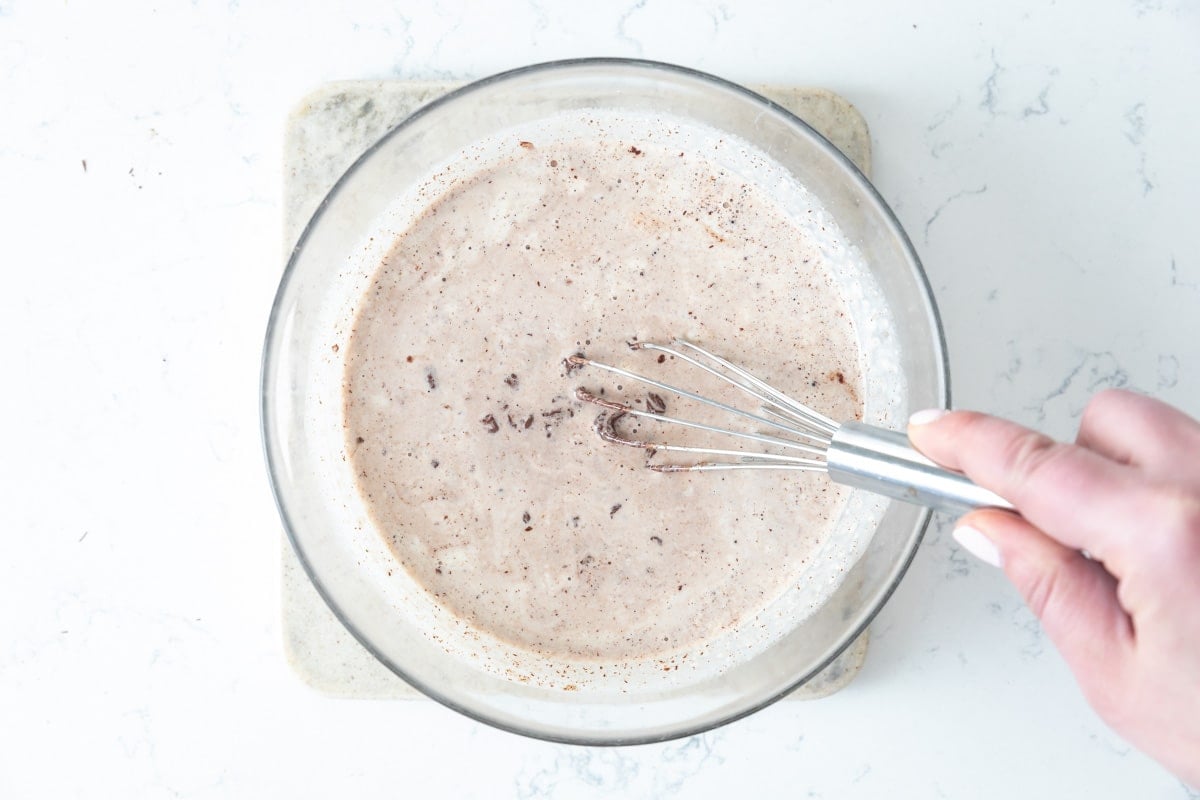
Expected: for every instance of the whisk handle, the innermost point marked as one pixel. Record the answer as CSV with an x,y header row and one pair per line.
x,y
883,461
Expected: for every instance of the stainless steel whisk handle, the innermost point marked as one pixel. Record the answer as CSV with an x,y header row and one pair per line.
x,y
882,461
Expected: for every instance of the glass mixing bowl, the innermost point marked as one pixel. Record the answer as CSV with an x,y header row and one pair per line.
x,y
301,401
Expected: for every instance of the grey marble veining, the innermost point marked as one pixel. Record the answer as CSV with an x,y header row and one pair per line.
x,y
140,232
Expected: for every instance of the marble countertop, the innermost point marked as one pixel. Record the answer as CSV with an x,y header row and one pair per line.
x,y
1041,156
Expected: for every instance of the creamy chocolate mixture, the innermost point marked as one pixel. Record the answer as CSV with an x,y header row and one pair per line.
x,y
483,472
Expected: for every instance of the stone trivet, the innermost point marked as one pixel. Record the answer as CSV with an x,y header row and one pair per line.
x,y
325,133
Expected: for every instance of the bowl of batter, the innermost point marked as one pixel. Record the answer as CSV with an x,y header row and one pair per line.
x,y
447,492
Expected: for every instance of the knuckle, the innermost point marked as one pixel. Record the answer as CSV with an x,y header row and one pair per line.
x,y
1038,592
1043,587
1100,407
1028,455
1108,398
1180,511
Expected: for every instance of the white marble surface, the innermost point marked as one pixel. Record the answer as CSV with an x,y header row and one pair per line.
x,y
1042,157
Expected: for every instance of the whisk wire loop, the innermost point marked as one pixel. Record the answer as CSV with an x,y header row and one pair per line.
x,y
852,453
778,412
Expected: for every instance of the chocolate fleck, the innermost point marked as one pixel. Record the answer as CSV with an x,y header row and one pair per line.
x,y
614,510
512,380
431,381
656,539
490,423
570,365
655,403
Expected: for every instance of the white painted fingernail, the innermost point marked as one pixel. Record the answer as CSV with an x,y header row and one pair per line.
x,y
978,545
927,416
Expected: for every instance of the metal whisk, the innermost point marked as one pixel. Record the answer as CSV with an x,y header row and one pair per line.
x,y
852,453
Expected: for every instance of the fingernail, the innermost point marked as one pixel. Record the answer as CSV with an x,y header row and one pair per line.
x,y
978,545
927,416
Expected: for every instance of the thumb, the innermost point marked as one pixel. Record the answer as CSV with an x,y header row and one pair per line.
x,y
1073,596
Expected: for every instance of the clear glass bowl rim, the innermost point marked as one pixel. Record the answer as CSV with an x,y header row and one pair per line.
x,y
273,325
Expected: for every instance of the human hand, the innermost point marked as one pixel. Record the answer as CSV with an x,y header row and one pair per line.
x,y
1126,616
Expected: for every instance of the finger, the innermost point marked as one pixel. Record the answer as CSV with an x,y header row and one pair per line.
x,y
1147,433
1083,499
1073,596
